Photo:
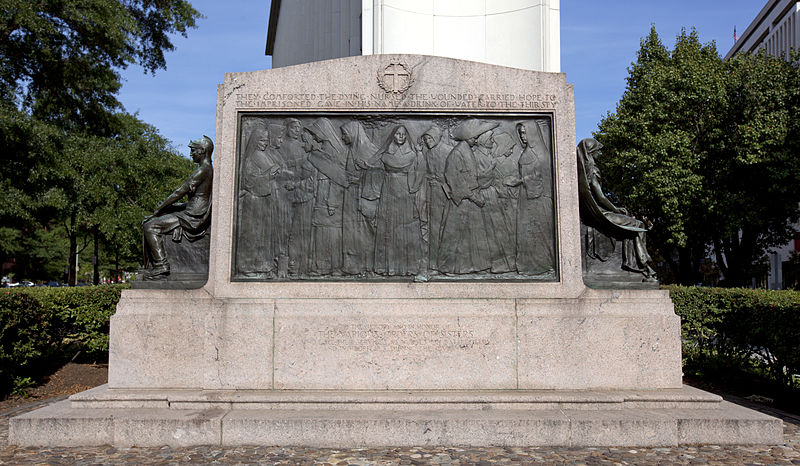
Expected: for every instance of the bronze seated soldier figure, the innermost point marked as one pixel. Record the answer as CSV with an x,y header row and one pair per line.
x,y
189,220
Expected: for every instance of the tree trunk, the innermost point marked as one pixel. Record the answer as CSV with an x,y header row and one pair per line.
x,y
685,275
743,257
72,273
698,255
96,259
116,265
719,253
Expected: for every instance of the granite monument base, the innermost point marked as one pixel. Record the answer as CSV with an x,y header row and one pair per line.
x,y
602,369
605,339
352,419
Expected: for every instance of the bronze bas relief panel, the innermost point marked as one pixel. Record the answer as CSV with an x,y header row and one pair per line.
x,y
376,197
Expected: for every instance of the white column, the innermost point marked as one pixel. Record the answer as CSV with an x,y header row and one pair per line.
x,y
367,26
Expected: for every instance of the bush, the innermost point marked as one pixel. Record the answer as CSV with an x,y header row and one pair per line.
x,y
41,328
84,314
25,336
756,331
723,330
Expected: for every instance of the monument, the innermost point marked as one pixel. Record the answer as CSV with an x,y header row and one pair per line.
x,y
396,259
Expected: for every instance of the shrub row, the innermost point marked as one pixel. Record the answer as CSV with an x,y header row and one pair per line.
x,y
755,331
758,330
41,328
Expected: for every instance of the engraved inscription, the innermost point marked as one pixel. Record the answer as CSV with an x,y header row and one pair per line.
x,y
419,338
394,100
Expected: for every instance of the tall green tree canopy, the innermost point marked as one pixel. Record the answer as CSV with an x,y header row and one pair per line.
x,y
83,186
71,161
706,149
60,59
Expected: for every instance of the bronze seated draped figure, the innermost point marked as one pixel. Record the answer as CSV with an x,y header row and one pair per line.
x,y
613,241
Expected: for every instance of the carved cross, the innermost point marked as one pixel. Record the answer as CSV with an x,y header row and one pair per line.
x,y
395,72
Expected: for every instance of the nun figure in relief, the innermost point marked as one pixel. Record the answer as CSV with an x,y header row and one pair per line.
x,y
535,218
358,214
280,206
464,246
328,157
254,246
498,229
398,234
507,154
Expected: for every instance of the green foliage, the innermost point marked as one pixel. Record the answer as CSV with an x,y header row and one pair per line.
x,y
83,314
705,149
21,385
41,328
61,59
68,154
25,336
42,253
756,330
30,148
75,185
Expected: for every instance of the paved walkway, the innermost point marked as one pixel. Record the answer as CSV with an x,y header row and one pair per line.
x,y
788,453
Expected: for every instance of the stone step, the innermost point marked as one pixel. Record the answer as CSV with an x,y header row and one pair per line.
x,y
63,425
105,397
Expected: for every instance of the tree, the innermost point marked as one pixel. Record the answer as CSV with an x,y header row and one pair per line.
x,y
703,148
60,59
758,186
142,170
29,147
59,123
94,189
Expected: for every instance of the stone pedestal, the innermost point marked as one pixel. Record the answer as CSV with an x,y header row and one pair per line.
x,y
351,419
373,362
603,339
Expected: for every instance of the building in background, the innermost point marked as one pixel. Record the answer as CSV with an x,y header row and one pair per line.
x,y
517,33
775,29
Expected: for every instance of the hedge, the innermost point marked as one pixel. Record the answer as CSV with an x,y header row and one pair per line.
x,y
742,329
41,328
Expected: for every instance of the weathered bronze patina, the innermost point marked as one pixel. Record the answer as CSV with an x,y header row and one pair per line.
x,y
390,196
614,246
179,221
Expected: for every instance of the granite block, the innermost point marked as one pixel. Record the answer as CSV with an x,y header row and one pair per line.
x,y
606,339
378,419
174,428
394,344
392,428
729,424
60,425
198,342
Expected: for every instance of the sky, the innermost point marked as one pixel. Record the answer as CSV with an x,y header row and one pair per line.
x,y
599,40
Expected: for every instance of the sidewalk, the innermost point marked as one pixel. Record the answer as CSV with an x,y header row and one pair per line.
x,y
788,453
